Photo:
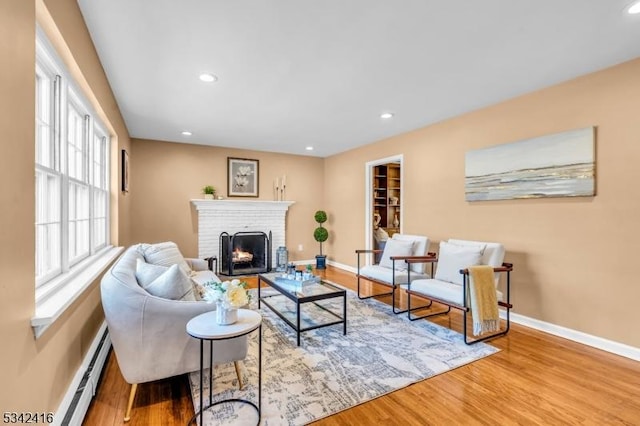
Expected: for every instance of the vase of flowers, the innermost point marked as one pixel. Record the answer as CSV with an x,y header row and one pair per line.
x,y
228,296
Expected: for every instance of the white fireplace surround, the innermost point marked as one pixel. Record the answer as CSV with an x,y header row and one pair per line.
x,y
231,216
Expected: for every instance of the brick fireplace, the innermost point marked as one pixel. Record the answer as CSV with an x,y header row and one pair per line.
x,y
216,217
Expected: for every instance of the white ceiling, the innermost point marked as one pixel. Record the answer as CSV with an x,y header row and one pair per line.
x,y
294,73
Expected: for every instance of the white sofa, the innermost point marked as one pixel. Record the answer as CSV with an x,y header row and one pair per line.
x,y
149,333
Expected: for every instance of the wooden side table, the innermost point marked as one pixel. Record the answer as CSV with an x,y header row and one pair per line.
x,y
204,328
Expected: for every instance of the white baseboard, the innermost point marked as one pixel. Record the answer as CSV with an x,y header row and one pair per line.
x,y
329,262
576,336
304,262
557,330
342,266
89,388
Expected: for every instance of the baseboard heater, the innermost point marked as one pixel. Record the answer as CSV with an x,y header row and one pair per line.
x,y
85,383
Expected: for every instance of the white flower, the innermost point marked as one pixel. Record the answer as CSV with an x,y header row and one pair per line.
x,y
244,170
241,181
212,295
232,294
237,297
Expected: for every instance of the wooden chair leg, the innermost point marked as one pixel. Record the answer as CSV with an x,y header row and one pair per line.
x,y
132,395
237,365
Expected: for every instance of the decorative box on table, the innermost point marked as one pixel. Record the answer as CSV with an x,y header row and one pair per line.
x,y
285,280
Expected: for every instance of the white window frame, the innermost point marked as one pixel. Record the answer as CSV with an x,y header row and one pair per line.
x,y
44,68
57,288
100,134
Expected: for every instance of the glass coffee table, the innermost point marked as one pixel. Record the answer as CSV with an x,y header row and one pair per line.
x,y
306,307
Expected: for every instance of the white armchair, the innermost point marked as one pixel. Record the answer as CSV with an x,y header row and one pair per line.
x,y
392,271
450,285
149,333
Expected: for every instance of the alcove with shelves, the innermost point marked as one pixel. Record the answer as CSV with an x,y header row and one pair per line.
x,y
387,196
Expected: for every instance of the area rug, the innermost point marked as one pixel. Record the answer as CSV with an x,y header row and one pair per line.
x,y
330,372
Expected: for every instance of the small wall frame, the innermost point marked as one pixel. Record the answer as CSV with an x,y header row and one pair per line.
x,y
125,170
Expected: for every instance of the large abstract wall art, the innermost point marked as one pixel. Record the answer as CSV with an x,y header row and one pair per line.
x,y
557,165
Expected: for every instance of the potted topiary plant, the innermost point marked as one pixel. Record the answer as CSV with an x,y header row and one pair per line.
x,y
321,235
209,192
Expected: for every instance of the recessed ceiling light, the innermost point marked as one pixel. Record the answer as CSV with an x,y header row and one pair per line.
x,y
634,8
208,78
309,148
187,133
386,115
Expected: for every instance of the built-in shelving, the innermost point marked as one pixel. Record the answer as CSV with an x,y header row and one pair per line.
x,y
386,196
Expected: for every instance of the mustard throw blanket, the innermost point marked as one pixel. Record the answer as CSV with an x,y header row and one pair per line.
x,y
484,302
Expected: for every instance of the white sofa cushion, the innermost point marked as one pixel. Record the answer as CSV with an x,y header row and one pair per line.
x,y
203,277
146,273
420,248
164,254
382,274
396,248
172,284
199,279
443,290
197,264
452,258
492,255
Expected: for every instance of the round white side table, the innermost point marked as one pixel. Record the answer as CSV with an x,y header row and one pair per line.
x,y
204,328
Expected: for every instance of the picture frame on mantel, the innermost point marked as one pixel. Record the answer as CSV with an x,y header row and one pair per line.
x,y
242,177
125,171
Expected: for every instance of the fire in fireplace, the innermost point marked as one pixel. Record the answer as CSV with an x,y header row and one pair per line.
x,y
245,253
240,256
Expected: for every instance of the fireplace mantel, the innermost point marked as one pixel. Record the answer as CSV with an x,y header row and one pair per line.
x,y
202,204
231,216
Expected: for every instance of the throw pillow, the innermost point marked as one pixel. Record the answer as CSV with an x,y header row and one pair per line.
x,y
418,250
146,273
481,246
173,284
396,248
452,258
164,254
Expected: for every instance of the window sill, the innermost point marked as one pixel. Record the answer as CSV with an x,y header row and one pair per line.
x,y
52,307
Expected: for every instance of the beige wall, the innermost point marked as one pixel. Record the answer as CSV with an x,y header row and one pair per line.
x,y
165,176
36,373
574,257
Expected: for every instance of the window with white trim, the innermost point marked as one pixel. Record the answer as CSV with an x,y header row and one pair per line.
x,y
72,174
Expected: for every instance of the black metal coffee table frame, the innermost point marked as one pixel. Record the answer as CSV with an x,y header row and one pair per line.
x,y
299,299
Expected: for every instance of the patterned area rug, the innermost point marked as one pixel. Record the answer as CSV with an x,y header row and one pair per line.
x,y
331,372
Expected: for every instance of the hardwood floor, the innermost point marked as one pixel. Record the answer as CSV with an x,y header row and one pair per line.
x,y
536,378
